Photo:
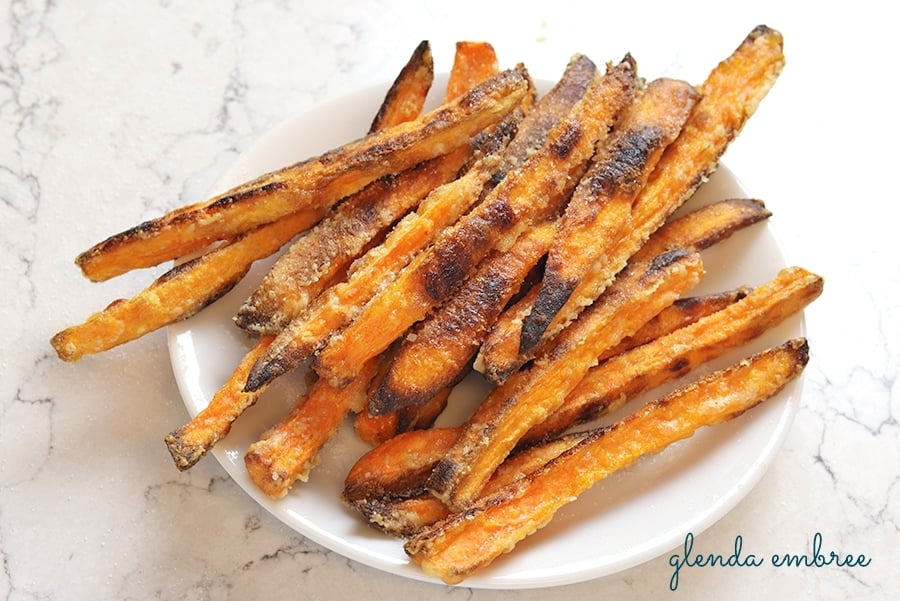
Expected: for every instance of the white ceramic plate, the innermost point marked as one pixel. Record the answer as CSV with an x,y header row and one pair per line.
x,y
629,518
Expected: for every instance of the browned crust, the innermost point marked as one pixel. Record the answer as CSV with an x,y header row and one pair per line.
x,y
459,545
178,294
311,184
729,96
529,396
528,194
602,201
311,264
611,384
705,226
189,443
286,452
442,346
405,98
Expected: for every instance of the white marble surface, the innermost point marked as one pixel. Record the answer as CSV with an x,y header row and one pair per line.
x,y
113,112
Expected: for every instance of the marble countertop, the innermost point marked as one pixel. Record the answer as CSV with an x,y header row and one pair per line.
x,y
112,113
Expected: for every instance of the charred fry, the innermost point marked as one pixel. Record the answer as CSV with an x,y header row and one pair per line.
x,y
456,547
312,184
438,351
609,385
529,396
529,194
178,294
729,96
189,443
287,451
601,204
406,96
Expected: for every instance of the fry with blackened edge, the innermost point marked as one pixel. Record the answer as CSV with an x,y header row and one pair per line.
x,y
611,384
178,294
532,193
440,347
189,443
529,396
339,304
456,547
312,184
729,96
405,98
601,204
287,451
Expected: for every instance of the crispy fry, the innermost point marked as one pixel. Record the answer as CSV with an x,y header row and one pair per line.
x,y
179,293
406,96
315,261
529,396
189,443
705,226
473,62
287,451
311,184
601,203
399,507
730,95
525,196
458,546
375,429
341,303
441,347
318,258
609,385
682,312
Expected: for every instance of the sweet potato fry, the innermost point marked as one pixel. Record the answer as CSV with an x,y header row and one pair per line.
x,y
375,429
529,396
682,312
189,443
341,303
611,384
525,196
318,258
601,204
442,345
406,96
178,294
456,547
730,95
314,262
705,226
287,451
472,62
314,183
399,506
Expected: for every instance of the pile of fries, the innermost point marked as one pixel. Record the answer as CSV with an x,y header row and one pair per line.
x,y
529,238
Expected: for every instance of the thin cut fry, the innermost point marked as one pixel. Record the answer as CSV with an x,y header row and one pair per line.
x,y
318,258
178,294
705,226
525,196
406,96
287,451
682,312
730,95
465,542
610,385
189,443
601,203
441,347
529,396
315,183
341,303
473,62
